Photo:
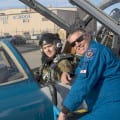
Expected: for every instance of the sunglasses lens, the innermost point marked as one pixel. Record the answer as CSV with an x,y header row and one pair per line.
x,y
77,40
72,44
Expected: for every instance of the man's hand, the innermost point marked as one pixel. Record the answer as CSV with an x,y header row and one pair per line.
x,y
62,116
65,78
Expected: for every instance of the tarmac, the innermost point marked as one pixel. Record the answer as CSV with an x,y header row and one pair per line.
x,y
32,58
31,54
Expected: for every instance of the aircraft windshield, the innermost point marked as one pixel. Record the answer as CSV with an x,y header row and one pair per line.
x,y
108,6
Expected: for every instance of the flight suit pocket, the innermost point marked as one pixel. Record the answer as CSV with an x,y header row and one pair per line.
x,y
83,73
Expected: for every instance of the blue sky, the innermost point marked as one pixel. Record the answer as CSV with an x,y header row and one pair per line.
x,y
6,4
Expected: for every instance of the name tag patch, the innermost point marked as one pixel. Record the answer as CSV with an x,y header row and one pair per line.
x,y
83,71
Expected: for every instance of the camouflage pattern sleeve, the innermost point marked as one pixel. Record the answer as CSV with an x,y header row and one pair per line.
x,y
65,66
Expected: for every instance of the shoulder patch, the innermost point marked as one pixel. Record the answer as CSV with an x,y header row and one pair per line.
x,y
90,54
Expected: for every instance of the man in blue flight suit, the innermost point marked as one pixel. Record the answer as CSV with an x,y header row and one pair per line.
x,y
97,80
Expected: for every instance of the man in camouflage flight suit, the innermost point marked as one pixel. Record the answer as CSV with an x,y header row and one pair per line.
x,y
56,67
53,60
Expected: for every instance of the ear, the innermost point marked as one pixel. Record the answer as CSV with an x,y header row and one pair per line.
x,y
87,36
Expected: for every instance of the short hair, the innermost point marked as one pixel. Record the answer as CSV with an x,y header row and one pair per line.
x,y
75,27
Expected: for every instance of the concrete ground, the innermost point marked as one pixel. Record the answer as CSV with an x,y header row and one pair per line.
x,y
32,58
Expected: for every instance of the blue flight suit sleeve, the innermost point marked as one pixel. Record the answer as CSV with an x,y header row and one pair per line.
x,y
89,72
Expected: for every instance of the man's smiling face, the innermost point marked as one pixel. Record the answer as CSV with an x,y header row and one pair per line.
x,y
80,45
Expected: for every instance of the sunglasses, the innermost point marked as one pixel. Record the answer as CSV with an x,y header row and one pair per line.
x,y
77,40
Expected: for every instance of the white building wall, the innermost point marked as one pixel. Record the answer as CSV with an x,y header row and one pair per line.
x,y
18,21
